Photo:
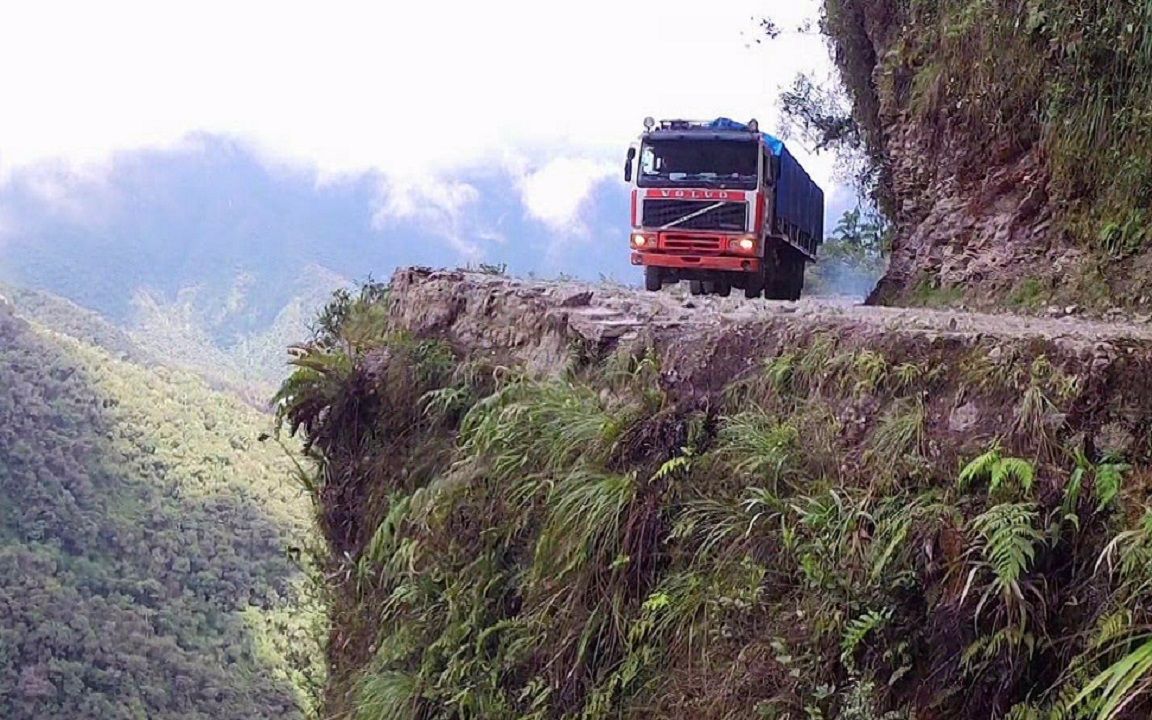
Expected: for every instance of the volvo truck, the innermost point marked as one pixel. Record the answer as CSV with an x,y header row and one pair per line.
x,y
721,205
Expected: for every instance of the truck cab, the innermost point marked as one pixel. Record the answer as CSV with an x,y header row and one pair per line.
x,y
721,205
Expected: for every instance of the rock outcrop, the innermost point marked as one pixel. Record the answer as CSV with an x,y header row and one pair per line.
x,y
517,467
795,462
1004,155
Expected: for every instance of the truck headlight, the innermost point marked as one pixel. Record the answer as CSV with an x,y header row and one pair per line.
x,y
638,240
746,244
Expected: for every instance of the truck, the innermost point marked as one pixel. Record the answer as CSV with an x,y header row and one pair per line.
x,y
721,205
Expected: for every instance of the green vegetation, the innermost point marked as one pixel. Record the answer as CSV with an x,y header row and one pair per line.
x,y
929,293
1073,78
1029,293
814,546
146,539
232,339
852,257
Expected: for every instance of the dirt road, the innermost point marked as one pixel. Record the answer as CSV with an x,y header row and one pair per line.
x,y
607,310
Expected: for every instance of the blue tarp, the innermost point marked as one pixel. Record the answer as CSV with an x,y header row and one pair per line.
x,y
723,123
774,145
799,201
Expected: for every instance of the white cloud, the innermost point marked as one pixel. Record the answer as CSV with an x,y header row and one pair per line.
x,y
554,193
438,205
357,84
413,92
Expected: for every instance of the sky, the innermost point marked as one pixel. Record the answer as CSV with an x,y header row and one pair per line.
x,y
413,91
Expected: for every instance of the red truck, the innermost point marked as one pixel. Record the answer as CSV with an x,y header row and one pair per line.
x,y
721,205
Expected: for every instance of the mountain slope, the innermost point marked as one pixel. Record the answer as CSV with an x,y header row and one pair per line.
x,y
209,245
143,535
559,500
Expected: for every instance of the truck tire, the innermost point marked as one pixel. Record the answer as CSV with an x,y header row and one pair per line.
x,y
723,288
754,286
776,285
695,287
798,283
653,279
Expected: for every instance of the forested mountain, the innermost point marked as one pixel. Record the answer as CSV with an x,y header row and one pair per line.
x,y
210,251
147,567
175,334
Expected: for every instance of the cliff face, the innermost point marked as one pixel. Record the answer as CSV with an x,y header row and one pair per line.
x,y
987,236
1009,152
559,501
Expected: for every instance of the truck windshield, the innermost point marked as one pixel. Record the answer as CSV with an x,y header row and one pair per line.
x,y
702,163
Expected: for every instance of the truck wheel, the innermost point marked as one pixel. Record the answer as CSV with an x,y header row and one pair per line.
x,y
653,279
723,289
799,283
776,285
695,287
754,286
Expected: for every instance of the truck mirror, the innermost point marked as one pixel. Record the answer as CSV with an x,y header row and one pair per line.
x,y
628,165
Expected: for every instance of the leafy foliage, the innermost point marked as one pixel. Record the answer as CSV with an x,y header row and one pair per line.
x,y
852,257
144,544
577,546
999,471
1072,77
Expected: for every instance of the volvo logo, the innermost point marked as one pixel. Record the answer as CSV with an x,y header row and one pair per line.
x,y
698,194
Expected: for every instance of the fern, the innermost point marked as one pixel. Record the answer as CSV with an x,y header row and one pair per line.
x,y
1111,627
1109,477
1129,555
1000,472
1024,711
858,629
1120,684
1007,545
978,468
987,648
673,466
1010,538
1012,469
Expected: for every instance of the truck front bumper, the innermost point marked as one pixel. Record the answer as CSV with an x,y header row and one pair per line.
x,y
697,262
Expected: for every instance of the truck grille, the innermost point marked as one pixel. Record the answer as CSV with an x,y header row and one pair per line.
x,y
692,243
732,216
